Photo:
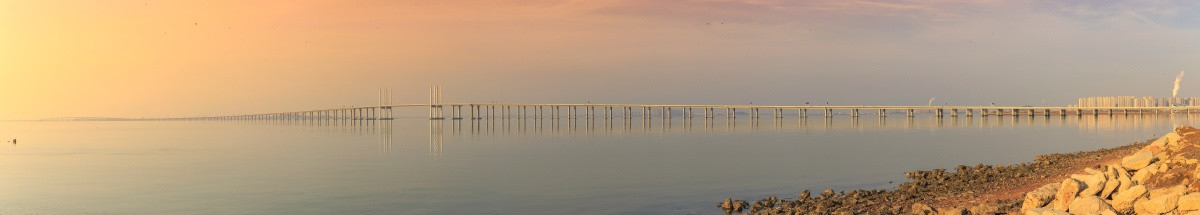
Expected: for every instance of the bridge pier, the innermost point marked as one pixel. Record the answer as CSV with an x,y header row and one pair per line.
x,y
882,112
854,112
909,112
457,112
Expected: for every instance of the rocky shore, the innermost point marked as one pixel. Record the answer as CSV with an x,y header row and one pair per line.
x,y
1154,177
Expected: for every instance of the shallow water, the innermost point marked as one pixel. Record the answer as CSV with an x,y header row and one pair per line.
x,y
538,166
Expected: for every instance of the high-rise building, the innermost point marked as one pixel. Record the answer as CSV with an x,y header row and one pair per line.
x,y
1131,101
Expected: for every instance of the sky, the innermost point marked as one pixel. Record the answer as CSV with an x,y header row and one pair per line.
x,y
198,58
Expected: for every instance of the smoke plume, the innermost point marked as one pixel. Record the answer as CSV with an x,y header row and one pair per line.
x,y
1178,79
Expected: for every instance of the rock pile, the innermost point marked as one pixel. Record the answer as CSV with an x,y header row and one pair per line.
x,y
1001,189
1161,178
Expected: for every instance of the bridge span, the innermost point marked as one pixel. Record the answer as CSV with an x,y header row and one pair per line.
x,y
457,111
439,110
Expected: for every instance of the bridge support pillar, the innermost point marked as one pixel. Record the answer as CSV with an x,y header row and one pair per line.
x,y
882,113
909,112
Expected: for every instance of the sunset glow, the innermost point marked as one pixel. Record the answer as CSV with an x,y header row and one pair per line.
x,y
153,59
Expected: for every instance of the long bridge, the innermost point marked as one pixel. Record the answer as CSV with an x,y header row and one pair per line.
x,y
457,111
572,111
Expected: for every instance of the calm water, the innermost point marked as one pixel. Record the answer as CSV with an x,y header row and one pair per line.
x,y
415,166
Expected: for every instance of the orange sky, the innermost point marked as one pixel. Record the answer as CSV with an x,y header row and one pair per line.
x,y
156,59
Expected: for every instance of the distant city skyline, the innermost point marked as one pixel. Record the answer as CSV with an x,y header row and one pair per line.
x,y
1136,101
173,59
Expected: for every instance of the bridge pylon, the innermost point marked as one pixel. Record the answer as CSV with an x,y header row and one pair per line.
x,y
435,103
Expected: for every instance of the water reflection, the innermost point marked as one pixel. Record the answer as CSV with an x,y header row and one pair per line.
x,y
593,164
435,138
384,130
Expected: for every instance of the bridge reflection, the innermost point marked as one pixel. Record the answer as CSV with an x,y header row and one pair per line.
x,y
440,132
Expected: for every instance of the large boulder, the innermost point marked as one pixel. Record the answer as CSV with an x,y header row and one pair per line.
x,y
1189,202
1141,175
1160,142
1155,193
1093,183
1157,205
1066,193
1123,177
1138,160
1123,201
955,211
1045,211
1088,205
1172,139
1040,197
984,209
1109,188
918,208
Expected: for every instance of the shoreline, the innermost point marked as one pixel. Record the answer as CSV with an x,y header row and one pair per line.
x,y
978,189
